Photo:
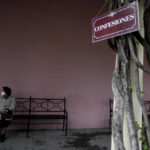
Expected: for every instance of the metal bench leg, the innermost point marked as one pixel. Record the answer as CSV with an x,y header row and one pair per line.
x,y
66,126
63,124
28,127
110,121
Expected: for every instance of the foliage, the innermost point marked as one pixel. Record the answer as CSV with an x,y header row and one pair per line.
x,y
132,90
142,136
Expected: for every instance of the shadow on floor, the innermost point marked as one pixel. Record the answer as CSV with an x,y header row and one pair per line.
x,y
86,139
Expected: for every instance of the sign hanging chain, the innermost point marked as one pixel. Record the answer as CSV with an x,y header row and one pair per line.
x,y
101,9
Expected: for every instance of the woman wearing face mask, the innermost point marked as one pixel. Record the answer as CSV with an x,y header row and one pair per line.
x,y
7,106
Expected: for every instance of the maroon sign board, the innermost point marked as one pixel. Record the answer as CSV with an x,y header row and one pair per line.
x,y
118,22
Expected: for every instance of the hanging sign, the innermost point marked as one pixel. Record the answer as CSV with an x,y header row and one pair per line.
x,y
118,22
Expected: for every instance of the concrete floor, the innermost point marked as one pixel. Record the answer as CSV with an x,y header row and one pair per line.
x,y
87,139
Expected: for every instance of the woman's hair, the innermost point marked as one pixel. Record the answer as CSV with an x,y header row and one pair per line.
x,y
7,90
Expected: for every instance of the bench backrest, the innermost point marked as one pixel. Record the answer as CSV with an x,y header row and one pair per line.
x,y
22,105
28,105
48,105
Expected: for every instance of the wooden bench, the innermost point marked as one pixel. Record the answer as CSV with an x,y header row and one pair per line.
x,y
147,107
38,110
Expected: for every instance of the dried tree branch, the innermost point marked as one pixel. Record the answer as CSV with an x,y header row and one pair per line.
x,y
146,3
147,29
138,90
117,121
112,45
126,2
141,102
135,57
144,43
127,97
146,21
113,5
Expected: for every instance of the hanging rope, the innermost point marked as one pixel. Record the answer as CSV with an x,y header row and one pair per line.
x,y
101,9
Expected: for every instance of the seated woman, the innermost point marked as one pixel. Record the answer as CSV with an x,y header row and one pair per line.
x,y
7,106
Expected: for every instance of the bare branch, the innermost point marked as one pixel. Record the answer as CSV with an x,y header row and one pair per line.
x,y
138,92
126,96
135,57
119,3
142,41
146,24
113,5
121,51
112,45
126,1
117,122
146,4
144,44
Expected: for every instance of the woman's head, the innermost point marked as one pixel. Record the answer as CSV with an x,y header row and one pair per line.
x,y
6,91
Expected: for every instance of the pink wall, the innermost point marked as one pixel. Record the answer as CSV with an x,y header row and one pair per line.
x,y
46,51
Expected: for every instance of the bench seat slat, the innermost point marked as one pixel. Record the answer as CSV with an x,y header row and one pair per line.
x,y
15,117
47,116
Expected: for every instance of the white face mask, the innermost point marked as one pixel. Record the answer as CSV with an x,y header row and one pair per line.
x,y
2,93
